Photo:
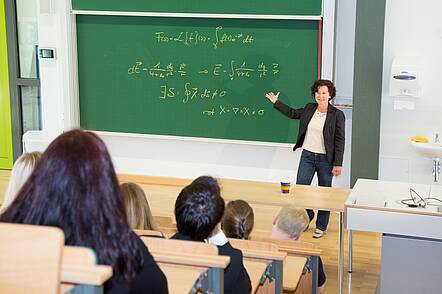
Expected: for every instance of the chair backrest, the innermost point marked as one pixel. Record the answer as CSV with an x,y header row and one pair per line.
x,y
179,246
164,221
297,248
267,253
74,255
30,258
258,250
79,266
142,233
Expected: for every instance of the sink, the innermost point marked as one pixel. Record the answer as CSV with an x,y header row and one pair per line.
x,y
430,150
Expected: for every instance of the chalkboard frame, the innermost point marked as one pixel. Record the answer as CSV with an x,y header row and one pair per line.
x,y
225,7
327,45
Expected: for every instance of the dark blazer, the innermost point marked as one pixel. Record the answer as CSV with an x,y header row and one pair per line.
x,y
150,279
333,132
236,278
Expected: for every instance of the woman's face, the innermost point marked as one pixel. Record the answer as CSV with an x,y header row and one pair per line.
x,y
322,95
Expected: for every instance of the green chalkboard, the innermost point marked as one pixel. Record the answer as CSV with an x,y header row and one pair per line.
x,y
194,77
279,7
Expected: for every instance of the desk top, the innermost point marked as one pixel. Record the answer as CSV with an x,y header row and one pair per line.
x,y
324,198
387,196
375,206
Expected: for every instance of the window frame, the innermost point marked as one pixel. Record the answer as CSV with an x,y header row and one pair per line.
x,y
15,80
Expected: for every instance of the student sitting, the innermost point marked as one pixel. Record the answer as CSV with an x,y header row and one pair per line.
x,y
74,187
289,225
238,220
21,171
198,212
137,207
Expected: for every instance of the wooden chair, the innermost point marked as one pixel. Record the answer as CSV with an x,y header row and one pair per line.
x,y
189,266
147,233
80,272
30,258
164,221
166,225
297,248
269,254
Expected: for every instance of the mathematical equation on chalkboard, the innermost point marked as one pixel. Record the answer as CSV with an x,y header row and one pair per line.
x,y
190,92
177,77
244,111
232,70
216,39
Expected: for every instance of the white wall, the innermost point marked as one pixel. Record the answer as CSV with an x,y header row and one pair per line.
x,y
412,28
143,154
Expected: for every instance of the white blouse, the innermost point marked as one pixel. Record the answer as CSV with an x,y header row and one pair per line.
x,y
314,138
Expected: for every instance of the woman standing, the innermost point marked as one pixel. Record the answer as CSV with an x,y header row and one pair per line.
x,y
322,137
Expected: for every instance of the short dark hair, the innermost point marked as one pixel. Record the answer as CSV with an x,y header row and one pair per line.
x,y
74,187
199,208
319,83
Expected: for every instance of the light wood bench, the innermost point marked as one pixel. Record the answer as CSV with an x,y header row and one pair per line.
x,y
80,272
255,269
35,257
166,225
297,249
269,254
147,233
30,257
199,262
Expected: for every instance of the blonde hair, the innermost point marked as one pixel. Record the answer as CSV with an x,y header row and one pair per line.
x,y
21,171
138,212
292,220
238,219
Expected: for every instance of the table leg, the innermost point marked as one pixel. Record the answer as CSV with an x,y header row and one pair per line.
x,y
350,251
314,265
341,253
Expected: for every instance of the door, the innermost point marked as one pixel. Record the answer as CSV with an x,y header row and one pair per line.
x,y
5,110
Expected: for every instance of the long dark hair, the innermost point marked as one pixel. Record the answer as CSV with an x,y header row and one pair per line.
x,y
74,187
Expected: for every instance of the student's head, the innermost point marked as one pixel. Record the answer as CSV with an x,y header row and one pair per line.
x,y
324,83
290,223
199,208
137,207
21,171
238,219
74,187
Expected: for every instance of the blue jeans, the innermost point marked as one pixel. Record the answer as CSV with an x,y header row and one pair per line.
x,y
309,164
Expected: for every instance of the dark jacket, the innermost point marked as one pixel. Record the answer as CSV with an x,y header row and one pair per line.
x,y
150,279
236,278
333,132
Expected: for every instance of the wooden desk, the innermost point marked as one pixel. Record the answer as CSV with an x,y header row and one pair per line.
x,y
411,240
292,271
165,190
195,257
255,269
267,253
80,271
180,280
